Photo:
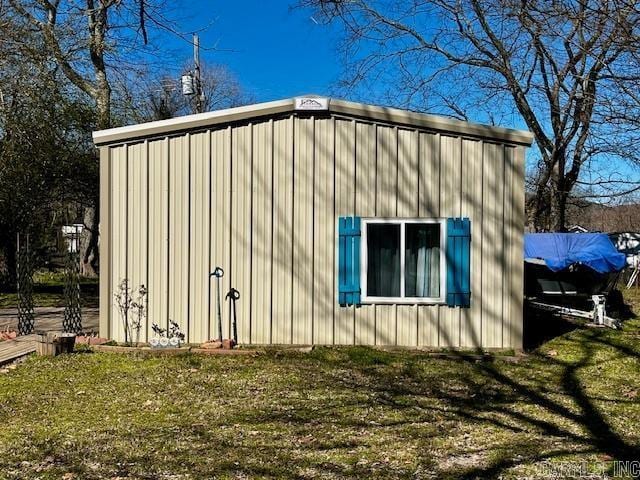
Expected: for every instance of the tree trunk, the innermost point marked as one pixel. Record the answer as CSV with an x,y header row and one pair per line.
x,y
89,243
538,207
558,211
90,258
559,194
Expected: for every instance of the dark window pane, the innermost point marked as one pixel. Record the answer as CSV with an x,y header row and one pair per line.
x,y
422,260
383,260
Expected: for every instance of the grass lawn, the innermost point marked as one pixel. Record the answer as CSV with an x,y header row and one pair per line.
x,y
48,299
48,291
332,413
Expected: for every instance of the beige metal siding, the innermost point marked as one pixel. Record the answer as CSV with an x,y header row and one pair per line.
x,y
492,248
105,240
219,254
450,203
471,318
199,234
407,198
241,225
514,242
302,321
261,247
118,225
516,249
386,206
344,192
428,206
158,225
507,215
283,167
136,216
179,232
365,200
323,233
262,199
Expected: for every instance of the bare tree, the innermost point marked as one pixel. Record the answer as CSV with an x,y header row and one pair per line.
x,y
161,97
47,163
79,36
569,69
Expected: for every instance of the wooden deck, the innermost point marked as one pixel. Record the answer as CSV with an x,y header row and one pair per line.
x,y
11,350
46,319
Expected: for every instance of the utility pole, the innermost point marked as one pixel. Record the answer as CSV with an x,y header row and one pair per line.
x,y
196,72
191,81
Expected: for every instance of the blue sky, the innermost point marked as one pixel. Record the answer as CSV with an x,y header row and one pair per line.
x,y
274,51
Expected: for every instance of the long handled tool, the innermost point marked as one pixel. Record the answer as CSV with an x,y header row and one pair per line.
x,y
218,273
233,295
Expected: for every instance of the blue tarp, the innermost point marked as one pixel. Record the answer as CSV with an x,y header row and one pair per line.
x,y
559,250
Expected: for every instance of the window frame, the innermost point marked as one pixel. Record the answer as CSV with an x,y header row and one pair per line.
x,y
367,299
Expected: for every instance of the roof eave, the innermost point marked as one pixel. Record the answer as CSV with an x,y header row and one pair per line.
x,y
370,112
198,120
431,122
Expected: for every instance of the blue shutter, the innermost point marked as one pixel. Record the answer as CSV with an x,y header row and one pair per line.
x,y
458,262
349,261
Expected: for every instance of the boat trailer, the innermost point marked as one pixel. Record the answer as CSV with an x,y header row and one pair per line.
x,y
598,315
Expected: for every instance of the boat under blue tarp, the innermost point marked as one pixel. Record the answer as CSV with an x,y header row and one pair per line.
x,y
561,250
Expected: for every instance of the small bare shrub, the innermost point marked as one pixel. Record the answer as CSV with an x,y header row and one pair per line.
x,y
133,312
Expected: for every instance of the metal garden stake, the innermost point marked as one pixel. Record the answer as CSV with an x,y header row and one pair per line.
x,y
233,295
218,273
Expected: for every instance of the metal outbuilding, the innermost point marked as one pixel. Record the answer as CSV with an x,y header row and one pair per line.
x,y
338,223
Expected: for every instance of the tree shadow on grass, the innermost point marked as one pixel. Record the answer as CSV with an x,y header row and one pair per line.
x,y
540,327
556,418
541,408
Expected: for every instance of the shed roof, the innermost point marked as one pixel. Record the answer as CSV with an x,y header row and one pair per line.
x,y
323,105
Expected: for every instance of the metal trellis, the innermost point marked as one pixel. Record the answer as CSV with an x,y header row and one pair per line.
x,y
72,321
24,272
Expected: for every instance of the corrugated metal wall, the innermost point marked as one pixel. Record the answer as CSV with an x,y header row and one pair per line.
x,y
261,200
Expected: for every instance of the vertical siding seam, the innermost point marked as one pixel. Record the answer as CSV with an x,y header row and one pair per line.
x,y
354,203
461,190
251,199
146,327
333,236
230,246
417,210
439,156
503,263
209,235
481,296
375,212
168,248
416,165
460,180
273,141
313,223
109,301
397,181
188,309
293,209
126,221
397,186
439,141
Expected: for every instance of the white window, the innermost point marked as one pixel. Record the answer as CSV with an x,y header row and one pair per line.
x,y
403,260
